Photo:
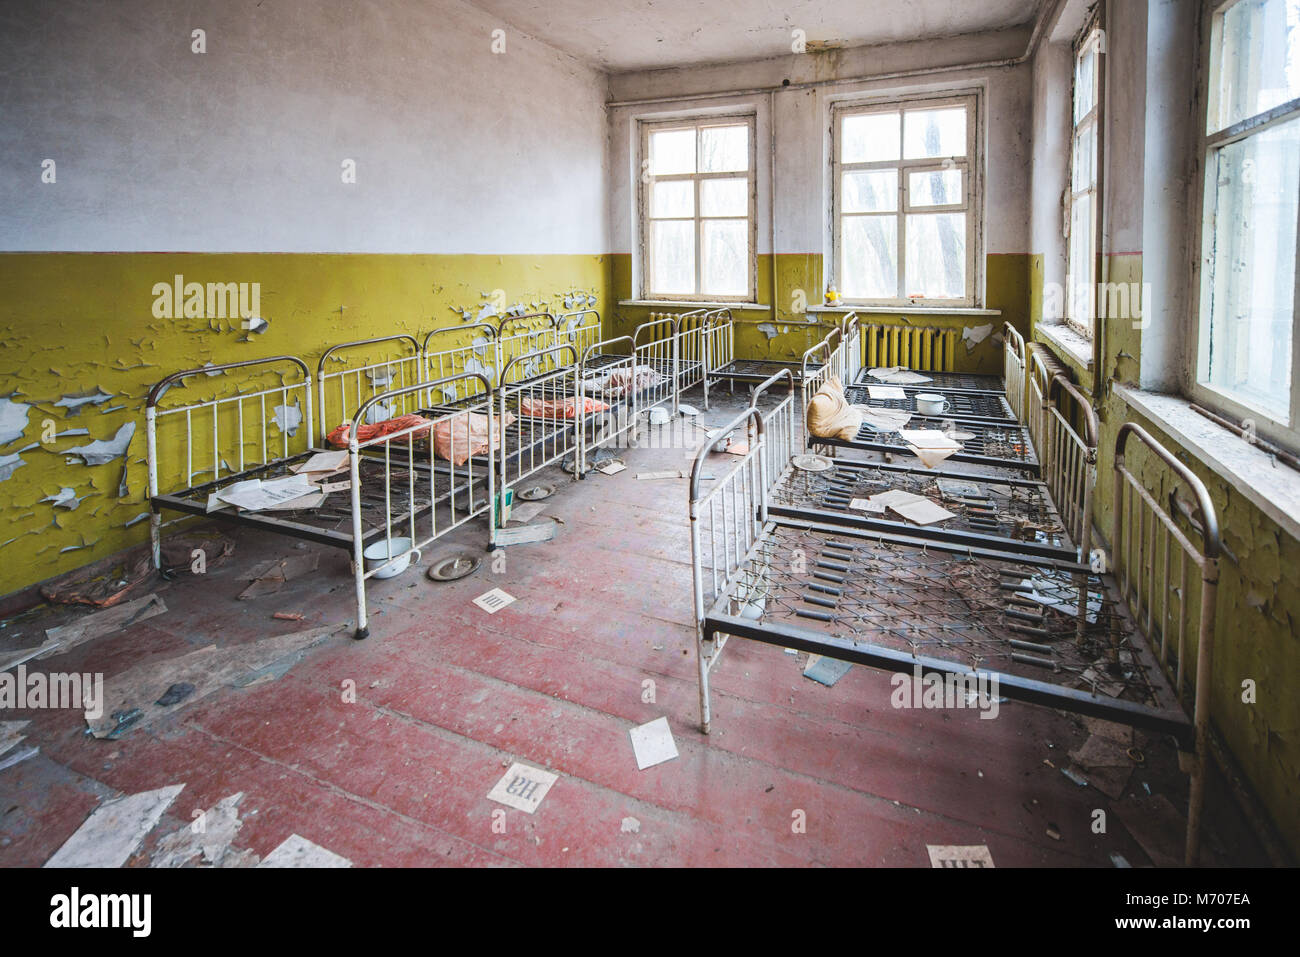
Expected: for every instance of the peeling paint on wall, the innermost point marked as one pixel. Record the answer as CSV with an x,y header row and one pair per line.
x,y
102,451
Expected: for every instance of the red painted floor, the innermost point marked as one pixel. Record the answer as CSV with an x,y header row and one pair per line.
x,y
448,696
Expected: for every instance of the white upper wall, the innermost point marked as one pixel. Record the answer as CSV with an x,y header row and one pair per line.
x,y
457,149
800,117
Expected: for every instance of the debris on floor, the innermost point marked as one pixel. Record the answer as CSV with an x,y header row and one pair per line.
x,y
1107,762
543,531
653,743
956,855
523,787
630,825
494,600
825,670
101,623
270,576
131,699
613,468
1157,826
204,842
297,851
112,832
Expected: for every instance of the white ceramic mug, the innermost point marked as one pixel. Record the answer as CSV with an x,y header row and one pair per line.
x,y
927,403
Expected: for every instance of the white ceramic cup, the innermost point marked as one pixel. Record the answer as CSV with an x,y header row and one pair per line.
x,y
927,403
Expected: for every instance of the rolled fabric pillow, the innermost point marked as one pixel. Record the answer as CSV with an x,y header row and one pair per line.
x,y
829,414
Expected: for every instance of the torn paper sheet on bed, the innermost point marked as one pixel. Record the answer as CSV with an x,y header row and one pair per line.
x,y
256,495
929,445
322,463
915,508
897,375
1047,593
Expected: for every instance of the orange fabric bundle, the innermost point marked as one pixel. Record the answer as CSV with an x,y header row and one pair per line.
x,y
464,434
339,437
559,408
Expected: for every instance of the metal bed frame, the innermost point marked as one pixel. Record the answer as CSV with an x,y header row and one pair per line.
x,y
946,382
721,353
987,407
898,602
396,483
998,445
1013,370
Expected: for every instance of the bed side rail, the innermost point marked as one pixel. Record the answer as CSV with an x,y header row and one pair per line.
x,y
541,433
243,424
1013,369
812,379
350,373
404,493
1069,459
781,426
615,382
1039,373
581,329
531,334
447,359
1168,579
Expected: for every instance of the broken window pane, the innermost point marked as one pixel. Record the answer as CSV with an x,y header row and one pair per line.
x,y
1259,59
870,191
672,257
869,138
725,244
724,197
935,188
673,198
672,151
869,267
936,256
724,149
940,132
1252,262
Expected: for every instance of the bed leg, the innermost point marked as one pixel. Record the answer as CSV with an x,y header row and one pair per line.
x,y
155,539
1195,803
703,664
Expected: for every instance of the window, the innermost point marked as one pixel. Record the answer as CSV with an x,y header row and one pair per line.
x,y
1081,278
1246,353
697,209
905,215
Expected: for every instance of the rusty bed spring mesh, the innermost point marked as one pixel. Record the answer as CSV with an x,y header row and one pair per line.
x,y
1011,510
1009,442
335,513
941,381
759,369
941,604
962,404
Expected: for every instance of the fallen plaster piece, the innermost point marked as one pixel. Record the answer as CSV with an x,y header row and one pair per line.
x,y
111,834
18,757
209,669
653,743
210,844
74,403
100,623
523,787
954,855
630,825
974,335
102,451
494,600
825,670
13,419
9,736
297,851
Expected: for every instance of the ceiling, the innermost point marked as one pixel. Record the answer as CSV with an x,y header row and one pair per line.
x,y
618,36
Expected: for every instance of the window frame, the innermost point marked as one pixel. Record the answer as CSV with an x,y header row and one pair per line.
x,y
1090,36
646,180
1207,147
972,166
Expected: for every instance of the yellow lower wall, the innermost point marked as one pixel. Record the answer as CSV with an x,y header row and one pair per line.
x,y
1258,616
799,283
74,322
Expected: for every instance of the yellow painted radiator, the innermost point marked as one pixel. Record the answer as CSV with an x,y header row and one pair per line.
x,y
924,348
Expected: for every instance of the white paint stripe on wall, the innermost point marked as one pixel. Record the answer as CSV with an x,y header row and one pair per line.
x,y
240,148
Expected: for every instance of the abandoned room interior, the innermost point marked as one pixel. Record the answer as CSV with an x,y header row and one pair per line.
x,y
573,433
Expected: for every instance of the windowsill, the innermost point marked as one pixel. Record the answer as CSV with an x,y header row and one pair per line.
x,y
693,304
1272,488
1062,337
910,310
